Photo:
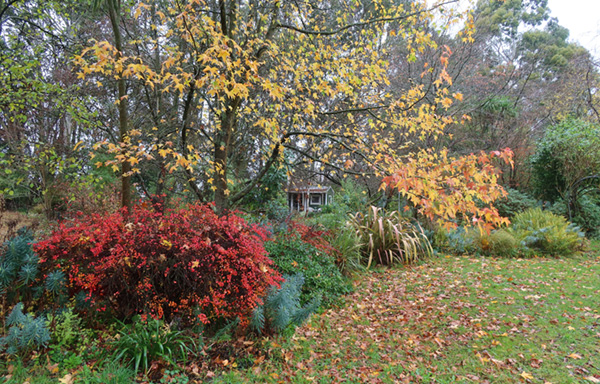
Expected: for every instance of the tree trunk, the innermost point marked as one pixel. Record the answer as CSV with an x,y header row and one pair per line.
x,y
221,156
113,11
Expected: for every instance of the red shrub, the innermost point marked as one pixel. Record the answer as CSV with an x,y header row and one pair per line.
x,y
180,263
315,237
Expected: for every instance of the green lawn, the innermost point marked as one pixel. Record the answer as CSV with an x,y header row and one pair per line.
x,y
452,320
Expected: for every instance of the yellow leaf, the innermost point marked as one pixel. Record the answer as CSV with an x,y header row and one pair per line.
x,y
526,376
77,145
223,54
575,356
52,368
163,152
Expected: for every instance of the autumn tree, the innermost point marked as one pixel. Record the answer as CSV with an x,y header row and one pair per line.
x,y
114,10
264,77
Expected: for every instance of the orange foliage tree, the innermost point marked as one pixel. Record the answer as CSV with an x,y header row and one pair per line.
x,y
444,187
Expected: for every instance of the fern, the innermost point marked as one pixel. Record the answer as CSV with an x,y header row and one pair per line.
x,y
282,307
66,328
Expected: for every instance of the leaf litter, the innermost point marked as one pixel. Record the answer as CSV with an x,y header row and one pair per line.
x,y
454,319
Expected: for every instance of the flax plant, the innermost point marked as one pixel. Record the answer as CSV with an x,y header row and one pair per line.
x,y
388,238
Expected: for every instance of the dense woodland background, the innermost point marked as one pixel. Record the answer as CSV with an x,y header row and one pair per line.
x,y
223,102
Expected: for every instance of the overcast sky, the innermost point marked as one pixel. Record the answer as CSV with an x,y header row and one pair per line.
x,y
582,18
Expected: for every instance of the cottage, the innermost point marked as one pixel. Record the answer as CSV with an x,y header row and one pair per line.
x,y
308,198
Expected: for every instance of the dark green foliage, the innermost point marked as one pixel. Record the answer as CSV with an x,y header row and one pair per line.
x,y
349,198
142,342
548,180
108,374
586,213
224,332
25,332
568,153
514,202
18,268
292,256
282,307
276,210
55,282
267,190
339,234
20,279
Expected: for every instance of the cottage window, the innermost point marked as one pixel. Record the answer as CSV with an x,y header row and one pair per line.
x,y
315,199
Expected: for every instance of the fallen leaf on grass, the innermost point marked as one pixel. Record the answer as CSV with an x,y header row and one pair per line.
x,y
575,356
535,363
592,379
526,376
68,379
52,368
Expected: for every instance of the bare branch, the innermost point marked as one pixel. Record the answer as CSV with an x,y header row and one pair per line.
x,y
364,23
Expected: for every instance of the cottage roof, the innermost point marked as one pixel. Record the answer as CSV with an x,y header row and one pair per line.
x,y
308,189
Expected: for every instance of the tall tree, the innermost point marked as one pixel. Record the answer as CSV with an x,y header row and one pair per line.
x,y
519,76
268,76
114,10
